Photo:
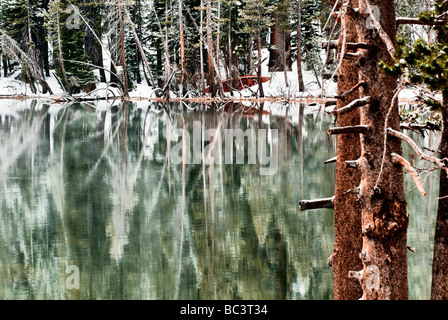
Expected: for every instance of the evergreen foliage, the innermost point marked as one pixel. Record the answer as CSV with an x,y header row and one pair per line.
x,y
77,65
235,26
426,63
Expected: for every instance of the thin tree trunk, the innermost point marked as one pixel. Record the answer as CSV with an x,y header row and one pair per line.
x,y
229,39
61,58
249,55
211,78
123,56
201,47
260,82
167,56
218,33
182,48
299,47
5,65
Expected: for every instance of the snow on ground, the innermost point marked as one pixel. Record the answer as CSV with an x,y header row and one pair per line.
x,y
277,86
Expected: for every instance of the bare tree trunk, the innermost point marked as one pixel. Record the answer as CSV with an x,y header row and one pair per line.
x,y
299,47
211,77
249,54
384,220
218,33
61,58
167,55
260,82
201,47
229,43
182,48
123,56
347,220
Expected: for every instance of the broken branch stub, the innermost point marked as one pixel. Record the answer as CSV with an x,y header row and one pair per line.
x,y
326,203
354,105
397,159
347,130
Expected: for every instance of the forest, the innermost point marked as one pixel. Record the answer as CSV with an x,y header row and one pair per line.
x,y
372,54
163,44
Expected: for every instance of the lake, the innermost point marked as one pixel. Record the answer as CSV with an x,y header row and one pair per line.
x,y
141,200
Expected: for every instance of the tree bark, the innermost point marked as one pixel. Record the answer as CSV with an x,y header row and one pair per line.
x,y
384,219
348,242
61,57
299,47
280,57
211,77
439,286
182,48
260,82
123,56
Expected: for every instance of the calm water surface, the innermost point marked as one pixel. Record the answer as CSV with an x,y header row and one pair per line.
x,y
99,187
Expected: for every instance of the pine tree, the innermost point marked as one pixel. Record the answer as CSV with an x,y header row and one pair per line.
x,y
154,37
75,71
94,13
280,51
23,21
256,16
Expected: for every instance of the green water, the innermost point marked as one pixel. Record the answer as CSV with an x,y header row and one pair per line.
x,y
96,186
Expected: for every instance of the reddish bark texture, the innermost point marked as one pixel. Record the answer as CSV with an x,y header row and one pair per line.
x,y
348,242
439,288
280,57
382,201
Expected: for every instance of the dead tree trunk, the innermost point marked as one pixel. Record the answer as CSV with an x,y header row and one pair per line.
x,y
260,81
123,56
299,47
381,195
211,77
348,242
182,48
61,57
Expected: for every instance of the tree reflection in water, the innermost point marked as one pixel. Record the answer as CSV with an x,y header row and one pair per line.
x,y
94,185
